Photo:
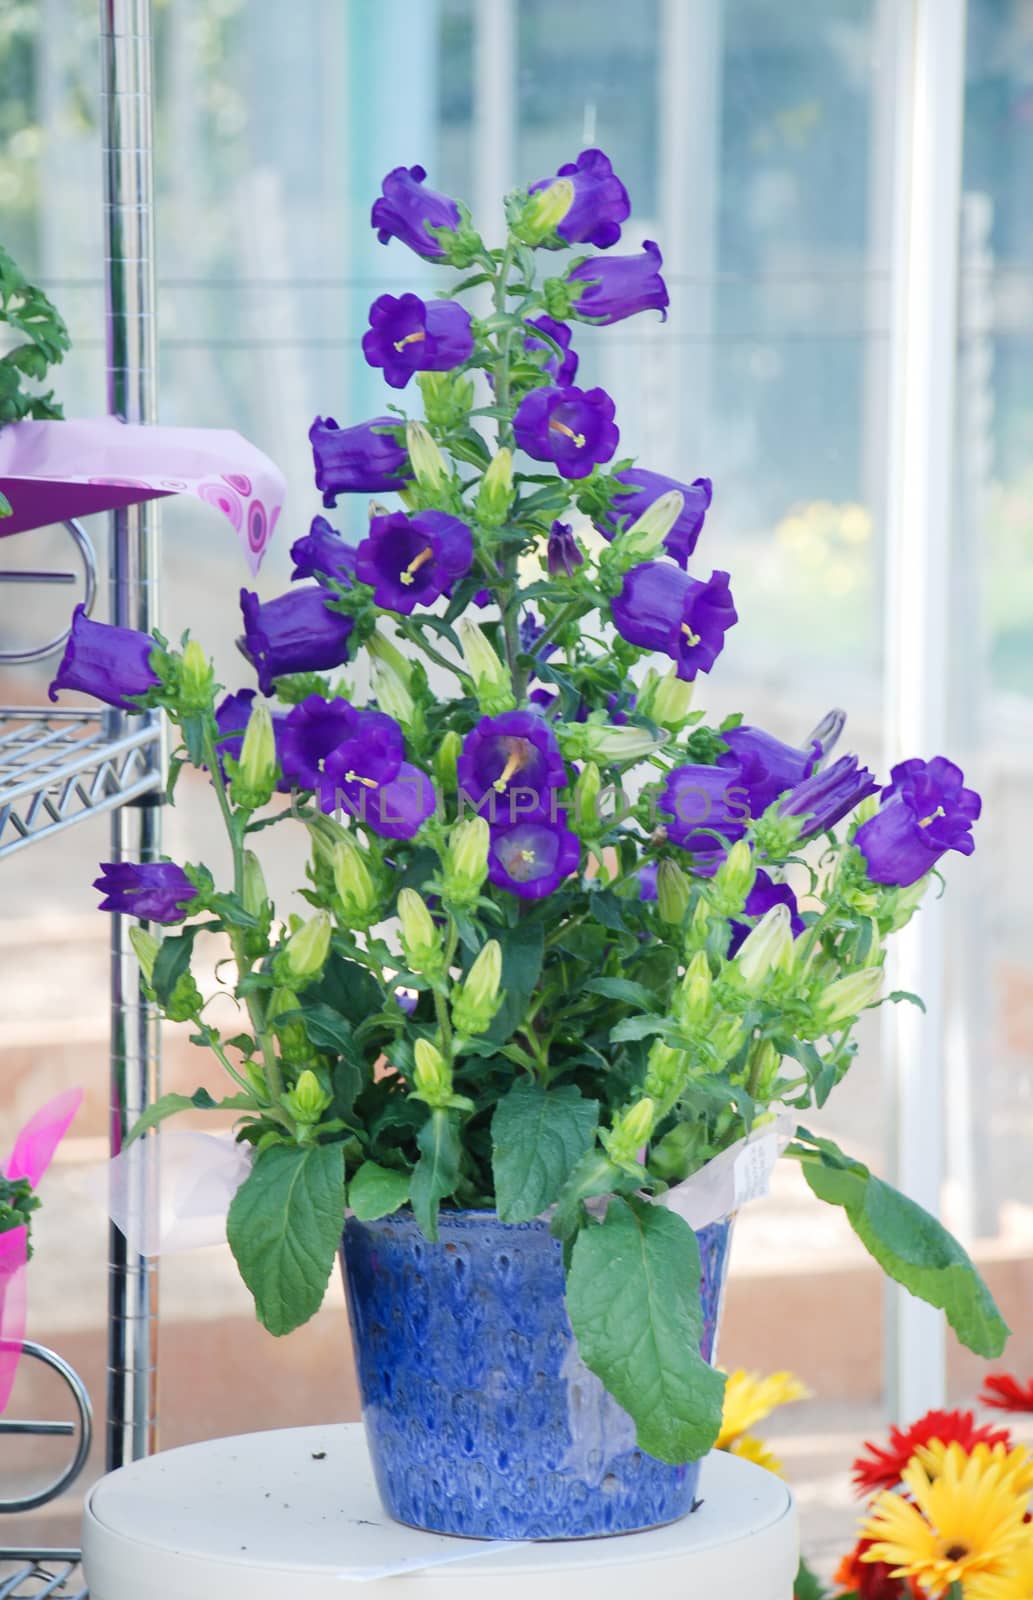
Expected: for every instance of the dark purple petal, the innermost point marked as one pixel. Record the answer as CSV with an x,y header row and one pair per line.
x,y
406,210
293,633
572,427
562,372
531,857
646,876
322,553
564,553
645,487
370,755
154,891
112,664
395,807
412,560
765,894
611,288
701,802
408,335
313,729
600,201
662,608
827,796
768,766
366,459
925,811
510,758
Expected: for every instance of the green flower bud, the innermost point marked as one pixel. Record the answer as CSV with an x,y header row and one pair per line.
x,y
699,928
294,1041
542,212
255,894
381,649
723,1041
605,741
667,1073
432,1077
763,1069
863,812
647,533
447,398
185,1001
445,762
421,941
692,998
491,679
630,1131
146,947
899,905
392,693
354,884
666,700
673,892
253,777
733,880
587,822
426,459
196,686
478,998
307,1101
847,997
304,955
768,948
466,861
495,495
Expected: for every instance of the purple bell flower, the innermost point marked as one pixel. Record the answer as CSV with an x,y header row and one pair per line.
x,y
827,796
924,811
411,560
572,427
406,210
408,335
532,856
702,802
398,810
322,553
366,459
313,729
367,776
642,489
562,372
608,289
293,633
564,553
113,664
232,715
646,877
768,766
765,894
662,608
510,758
154,891
600,202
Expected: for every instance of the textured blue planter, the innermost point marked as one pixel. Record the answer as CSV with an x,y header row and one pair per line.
x,y
481,1418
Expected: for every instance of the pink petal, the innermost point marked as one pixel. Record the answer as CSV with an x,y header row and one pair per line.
x,y
13,1258
35,1145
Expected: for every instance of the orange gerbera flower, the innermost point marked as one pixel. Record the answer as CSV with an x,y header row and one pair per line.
x,y
883,1469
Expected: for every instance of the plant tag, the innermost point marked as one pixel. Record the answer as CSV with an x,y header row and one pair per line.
x,y
753,1168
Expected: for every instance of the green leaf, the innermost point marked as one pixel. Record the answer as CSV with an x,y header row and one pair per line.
x,y
326,1028
523,950
633,1302
437,1172
634,994
807,1586
376,1191
897,995
169,1104
538,1137
606,908
637,1028
172,960
284,1227
912,1247
347,989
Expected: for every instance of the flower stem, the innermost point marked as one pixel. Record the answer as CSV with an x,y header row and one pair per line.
x,y
412,631
509,602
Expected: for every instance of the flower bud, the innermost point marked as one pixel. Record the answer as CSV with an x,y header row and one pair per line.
x,y
196,679
447,398
666,699
253,777
446,759
673,892
304,955
647,533
478,998
899,905
692,998
294,1041
146,947
255,894
699,928
768,948
466,862
432,1078
667,1073
354,884
543,211
421,941
630,1131
763,1069
848,996
392,693
733,880
381,649
186,1000
586,801
724,1040
491,679
495,495
605,741
427,461
307,1101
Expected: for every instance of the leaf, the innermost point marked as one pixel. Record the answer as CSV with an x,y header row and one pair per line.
x,y
911,1246
346,988
346,1081
633,1302
634,994
523,950
897,995
437,1172
172,960
807,1586
606,908
284,1227
636,1028
538,1137
169,1104
377,1191
326,1028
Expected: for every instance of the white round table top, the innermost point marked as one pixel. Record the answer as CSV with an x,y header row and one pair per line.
x,y
296,1512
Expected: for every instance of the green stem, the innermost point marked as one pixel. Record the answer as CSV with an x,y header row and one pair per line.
x,y
415,633
568,613
510,584
440,1003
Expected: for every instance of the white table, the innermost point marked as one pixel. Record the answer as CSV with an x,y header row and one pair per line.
x,y
295,1513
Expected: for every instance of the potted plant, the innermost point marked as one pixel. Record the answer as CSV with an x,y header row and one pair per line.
x,y
553,965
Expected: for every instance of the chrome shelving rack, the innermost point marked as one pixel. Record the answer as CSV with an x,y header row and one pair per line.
x,y
58,767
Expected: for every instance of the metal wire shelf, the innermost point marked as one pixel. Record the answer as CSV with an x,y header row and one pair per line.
x,y
58,767
46,1575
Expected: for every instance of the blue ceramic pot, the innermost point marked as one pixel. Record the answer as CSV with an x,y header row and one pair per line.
x,y
481,1418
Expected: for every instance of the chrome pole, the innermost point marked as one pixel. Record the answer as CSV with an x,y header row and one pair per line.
x,y
126,122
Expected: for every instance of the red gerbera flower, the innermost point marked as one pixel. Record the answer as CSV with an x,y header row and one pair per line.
x,y
1006,1393
870,1580
882,1469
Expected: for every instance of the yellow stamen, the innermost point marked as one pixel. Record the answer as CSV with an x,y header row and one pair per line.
x,y
414,566
693,638
561,427
939,812
410,338
513,765
356,777
527,855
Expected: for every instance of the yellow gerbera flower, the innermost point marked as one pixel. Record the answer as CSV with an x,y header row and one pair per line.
x,y
964,1526
753,1449
1017,1462
749,1398
1017,1584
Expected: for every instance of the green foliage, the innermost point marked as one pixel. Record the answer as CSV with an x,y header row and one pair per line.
x,y
26,310
538,1136
17,1203
377,1191
284,1228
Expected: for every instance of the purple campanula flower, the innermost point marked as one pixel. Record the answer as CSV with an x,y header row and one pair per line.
x,y
155,891
561,371
662,608
370,754
572,427
408,335
531,857
406,211
608,289
313,729
113,664
646,876
642,489
322,553
600,202
510,757
411,560
765,894
564,553
768,767
924,811
826,797
293,633
704,802
232,715
398,810
366,459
